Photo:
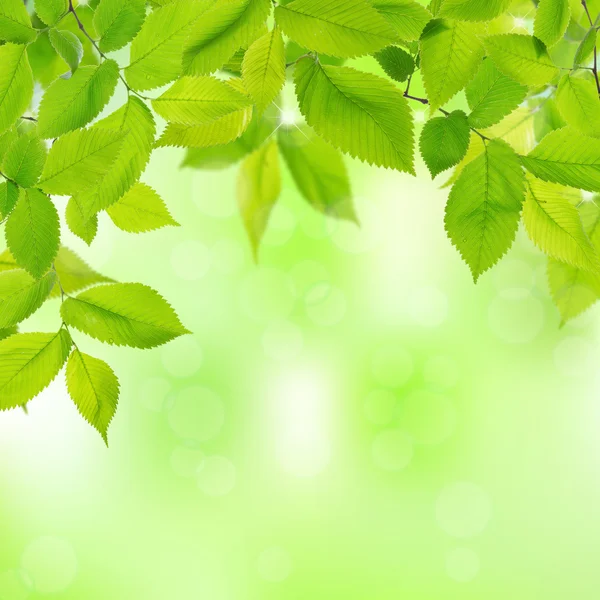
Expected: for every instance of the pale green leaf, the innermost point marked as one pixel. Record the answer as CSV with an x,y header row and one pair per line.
x,y
124,314
9,194
319,172
450,55
21,295
484,206
69,104
33,232
68,47
25,160
551,20
567,157
263,68
407,18
15,24
396,62
516,129
343,28
50,11
225,28
444,141
358,113
7,261
547,119
473,10
578,103
28,364
80,222
79,160
258,189
117,22
585,48
199,100
492,96
16,84
140,209
94,388
74,274
6,140
523,58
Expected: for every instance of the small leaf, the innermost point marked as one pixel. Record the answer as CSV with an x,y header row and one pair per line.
x,y
407,18
444,141
82,226
9,194
124,314
586,48
50,11
140,209
117,22
74,274
25,160
473,10
16,82
33,232
259,186
578,103
396,62
551,20
28,364
68,47
94,388
15,24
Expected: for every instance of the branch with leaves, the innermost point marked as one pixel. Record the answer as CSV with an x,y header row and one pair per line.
x,y
526,148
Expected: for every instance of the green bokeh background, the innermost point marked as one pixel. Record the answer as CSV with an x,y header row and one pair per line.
x,y
352,418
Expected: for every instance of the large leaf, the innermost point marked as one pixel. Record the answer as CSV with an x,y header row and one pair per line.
x,y
522,57
473,10
68,47
71,103
225,28
551,20
319,172
50,11
199,100
444,141
25,160
21,295
359,113
94,388
578,103
9,194
567,157
15,24
450,55
79,160
259,186
28,363
33,232
492,96
407,18
124,314
554,225
16,84
74,273
263,68
484,206
117,22
344,28
140,209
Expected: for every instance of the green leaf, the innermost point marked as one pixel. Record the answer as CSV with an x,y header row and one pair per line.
x,y
259,186
344,28
50,11
358,113
319,173
25,160
15,24
521,57
551,20
7,261
6,333
567,157
9,194
94,388
484,206
225,28
157,50
140,209
79,160
117,22
33,232
450,55
199,100
72,103
16,83
263,68
396,62
21,295
473,10
68,47
124,314
79,222
585,48
28,364
75,274
547,119
444,141
6,140
407,18
578,103
492,96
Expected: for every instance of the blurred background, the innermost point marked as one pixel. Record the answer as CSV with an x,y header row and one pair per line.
x,y
352,418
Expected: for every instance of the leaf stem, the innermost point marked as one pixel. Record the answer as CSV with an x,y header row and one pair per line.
x,y
595,67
